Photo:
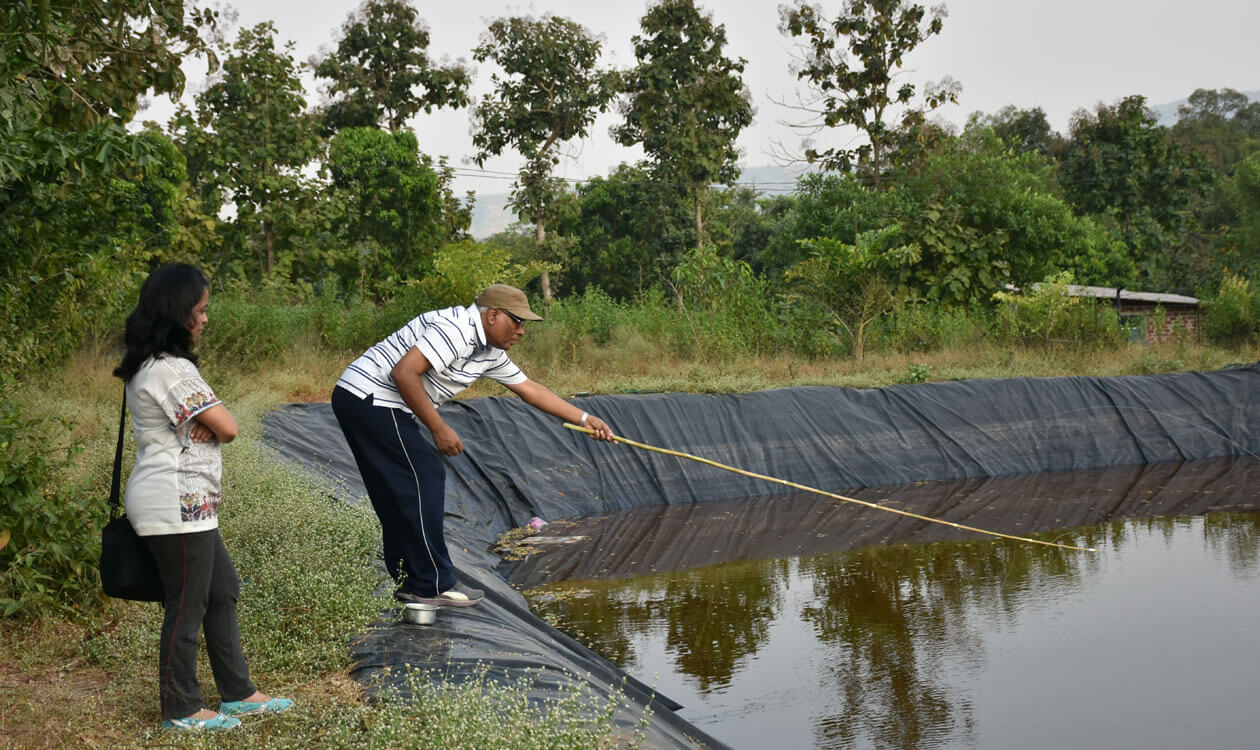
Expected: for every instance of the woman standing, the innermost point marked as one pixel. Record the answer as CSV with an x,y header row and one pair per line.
x,y
172,500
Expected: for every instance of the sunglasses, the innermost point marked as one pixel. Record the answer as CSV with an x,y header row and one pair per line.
x,y
520,322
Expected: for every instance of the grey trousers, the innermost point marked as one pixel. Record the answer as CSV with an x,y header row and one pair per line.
x,y
201,588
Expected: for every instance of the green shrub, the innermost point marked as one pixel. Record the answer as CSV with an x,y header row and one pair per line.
x,y
1049,314
593,314
658,319
45,319
1233,316
808,330
1093,324
351,324
248,332
725,305
916,373
928,326
49,533
462,269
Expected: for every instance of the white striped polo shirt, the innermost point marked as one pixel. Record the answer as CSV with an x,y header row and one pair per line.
x,y
453,342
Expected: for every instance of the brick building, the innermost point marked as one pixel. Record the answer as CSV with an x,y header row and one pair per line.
x,y
1153,317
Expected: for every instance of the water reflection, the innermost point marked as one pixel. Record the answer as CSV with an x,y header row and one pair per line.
x,y
678,537
710,620
1236,543
902,645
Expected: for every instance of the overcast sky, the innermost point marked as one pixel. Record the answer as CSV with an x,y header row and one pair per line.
x,y
1061,56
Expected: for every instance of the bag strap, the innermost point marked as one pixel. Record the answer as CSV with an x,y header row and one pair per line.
x,y
114,483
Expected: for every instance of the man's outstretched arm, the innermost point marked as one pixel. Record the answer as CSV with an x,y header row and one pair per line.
x,y
543,398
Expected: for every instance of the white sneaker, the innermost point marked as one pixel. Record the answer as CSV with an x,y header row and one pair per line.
x,y
451,598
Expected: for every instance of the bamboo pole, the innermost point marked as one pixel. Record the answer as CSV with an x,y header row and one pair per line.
x,y
806,488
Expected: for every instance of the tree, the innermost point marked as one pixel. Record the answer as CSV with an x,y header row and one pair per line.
x,y
250,138
1121,166
986,217
396,204
72,255
748,222
1023,130
687,103
462,269
852,281
862,91
1221,125
1241,250
629,229
380,72
71,75
836,206
980,216
82,201
549,93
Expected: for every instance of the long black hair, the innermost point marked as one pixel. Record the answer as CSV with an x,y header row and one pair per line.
x,y
159,324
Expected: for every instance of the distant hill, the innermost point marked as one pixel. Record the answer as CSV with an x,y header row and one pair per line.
x,y
1166,114
491,215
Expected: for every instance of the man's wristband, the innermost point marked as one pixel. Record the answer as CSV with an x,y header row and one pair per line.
x,y
582,420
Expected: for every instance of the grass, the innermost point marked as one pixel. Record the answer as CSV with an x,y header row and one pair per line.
x,y
87,678
309,585
580,366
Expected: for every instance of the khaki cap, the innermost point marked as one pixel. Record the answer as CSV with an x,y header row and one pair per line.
x,y
507,298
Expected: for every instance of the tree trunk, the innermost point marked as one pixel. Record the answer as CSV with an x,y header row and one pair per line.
x,y
269,239
696,188
876,159
540,234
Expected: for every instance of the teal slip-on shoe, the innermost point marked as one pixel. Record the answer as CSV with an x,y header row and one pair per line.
x,y
214,723
249,708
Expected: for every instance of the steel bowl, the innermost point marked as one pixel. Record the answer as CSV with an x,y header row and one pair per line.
x,y
420,614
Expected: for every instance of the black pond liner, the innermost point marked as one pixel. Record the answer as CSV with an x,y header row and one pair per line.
x,y
645,541
519,463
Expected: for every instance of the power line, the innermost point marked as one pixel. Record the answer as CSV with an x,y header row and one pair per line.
x,y
780,187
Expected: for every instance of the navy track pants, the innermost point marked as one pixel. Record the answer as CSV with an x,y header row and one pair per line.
x,y
405,479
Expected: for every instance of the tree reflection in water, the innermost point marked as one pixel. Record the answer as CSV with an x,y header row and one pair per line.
x,y
713,617
893,625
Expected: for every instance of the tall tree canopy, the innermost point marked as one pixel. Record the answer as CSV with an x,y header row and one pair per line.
x,y
686,101
628,227
1222,125
72,73
250,138
80,197
1022,130
1241,194
851,64
397,206
381,74
1122,166
548,93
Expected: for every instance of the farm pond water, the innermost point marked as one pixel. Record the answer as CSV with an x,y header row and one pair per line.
x,y
812,623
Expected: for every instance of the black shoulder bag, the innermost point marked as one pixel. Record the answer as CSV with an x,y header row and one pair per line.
x,y
128,570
